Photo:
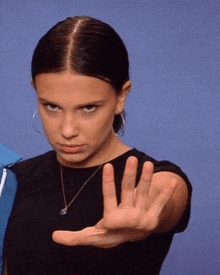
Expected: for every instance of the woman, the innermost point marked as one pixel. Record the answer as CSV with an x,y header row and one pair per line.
x,y
93,205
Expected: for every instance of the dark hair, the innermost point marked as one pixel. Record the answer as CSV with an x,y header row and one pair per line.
x,y
85,45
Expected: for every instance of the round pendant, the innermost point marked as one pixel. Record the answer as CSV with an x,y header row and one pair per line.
x,y
63,212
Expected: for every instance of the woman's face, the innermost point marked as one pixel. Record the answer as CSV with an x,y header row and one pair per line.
x,y
77,113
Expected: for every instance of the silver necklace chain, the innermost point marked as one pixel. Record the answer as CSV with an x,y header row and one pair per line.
x,y
66,206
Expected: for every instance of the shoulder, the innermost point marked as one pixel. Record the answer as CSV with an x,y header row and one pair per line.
x,y
164,172
160,165
25,167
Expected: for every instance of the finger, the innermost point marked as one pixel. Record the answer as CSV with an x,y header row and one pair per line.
x,y
89,236
86,236
162,199
144,184
108,188
128,182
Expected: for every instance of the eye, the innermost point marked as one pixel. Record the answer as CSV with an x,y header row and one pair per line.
x,y
51,107
89,108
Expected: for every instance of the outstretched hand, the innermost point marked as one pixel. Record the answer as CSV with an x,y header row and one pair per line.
x,y
135,218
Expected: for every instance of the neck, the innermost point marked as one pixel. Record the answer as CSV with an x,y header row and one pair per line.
x,y
114,149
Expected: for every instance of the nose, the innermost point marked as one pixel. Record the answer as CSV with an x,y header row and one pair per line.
x,y
70,127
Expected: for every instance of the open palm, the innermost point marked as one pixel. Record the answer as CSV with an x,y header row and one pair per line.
x,y
136,217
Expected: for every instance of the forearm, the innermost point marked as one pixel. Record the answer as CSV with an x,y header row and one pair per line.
x,y
174,208
4,270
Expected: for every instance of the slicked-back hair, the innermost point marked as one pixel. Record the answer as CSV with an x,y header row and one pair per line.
x,y
87,46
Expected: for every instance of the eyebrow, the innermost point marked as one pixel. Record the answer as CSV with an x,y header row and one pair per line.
x,y
45,101
95,102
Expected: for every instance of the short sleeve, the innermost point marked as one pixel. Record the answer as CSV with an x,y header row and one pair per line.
x,y
170,167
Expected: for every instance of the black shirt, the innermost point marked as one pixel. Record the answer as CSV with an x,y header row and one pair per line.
x,y
29,248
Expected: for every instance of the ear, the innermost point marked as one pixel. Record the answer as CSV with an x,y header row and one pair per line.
x,y
123,96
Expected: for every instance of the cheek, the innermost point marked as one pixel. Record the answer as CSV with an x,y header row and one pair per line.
x,y
101,127
45,123
50,127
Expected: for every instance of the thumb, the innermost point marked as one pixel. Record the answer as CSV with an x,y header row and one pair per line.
x,y
73,238
69,238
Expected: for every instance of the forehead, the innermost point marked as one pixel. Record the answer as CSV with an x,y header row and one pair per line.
x,y
72,87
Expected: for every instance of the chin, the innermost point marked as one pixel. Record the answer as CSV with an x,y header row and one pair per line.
x,y
72,160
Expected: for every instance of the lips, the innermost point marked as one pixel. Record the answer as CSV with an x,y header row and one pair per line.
x,y
71,149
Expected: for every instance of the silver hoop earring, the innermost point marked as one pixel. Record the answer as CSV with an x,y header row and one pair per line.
x,y
33,122
123,119
121,131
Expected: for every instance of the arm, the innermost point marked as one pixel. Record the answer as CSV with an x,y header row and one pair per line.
x,y
154,206
175,206
4,270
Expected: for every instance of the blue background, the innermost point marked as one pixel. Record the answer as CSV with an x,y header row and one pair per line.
x,y
172,112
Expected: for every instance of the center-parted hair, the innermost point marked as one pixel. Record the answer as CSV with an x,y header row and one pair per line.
x,y
87,46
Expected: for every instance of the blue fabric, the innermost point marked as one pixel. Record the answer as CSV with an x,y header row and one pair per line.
x,y
7,156
8,186
6,202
